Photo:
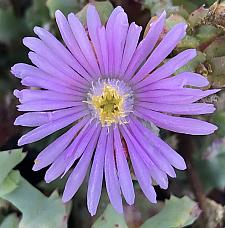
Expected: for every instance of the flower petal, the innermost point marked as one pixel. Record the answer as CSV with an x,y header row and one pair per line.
x,y
164,48
53,150
174,158
123,169
178,124
146,46
111,178
49,128
96,175
140,169
76,178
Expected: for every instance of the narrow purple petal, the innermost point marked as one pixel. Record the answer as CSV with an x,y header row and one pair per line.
x,y
146,46
96,175
84,43
109,37
140,169
104,49
53,150
27,95
149,154
130,46
33,76
47,83
174,158
177,82
182,109
178,124
119,38
168,68
178,99
47,67
111,178
169,92
39,47
19,68
42,105
94,24
85,139
61,51
123,169
72,44
33,119
77,176
49,128
164,48
56,169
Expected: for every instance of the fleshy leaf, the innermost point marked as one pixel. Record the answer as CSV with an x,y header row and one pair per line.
x,y
110,218
211,165
176,213
10,183
10,221
8,160
192,65
11,27
37,14
66,6
104,9
37,209
216,48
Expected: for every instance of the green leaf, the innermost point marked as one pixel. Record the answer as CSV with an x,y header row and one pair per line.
x,y
217,65
37,14
211,165
110,218
8,160
173,20
11,27
219,121
37,209
188,42
156,7
216,48
10,221
192,65
104,9
176,213
66,6
10,183
196,16
206,34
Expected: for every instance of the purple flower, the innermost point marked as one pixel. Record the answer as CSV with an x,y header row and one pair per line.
x,y
103,85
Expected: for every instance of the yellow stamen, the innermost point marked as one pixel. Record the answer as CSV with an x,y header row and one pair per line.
x,y
109,105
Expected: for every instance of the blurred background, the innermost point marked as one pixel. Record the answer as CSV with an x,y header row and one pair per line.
x,y
202,184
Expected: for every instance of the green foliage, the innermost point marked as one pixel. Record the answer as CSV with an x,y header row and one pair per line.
x,y
66,6
10,183
10,221
8,160
37,14
104,9
176,213
109,219
35,207
211,166
11,27
192,65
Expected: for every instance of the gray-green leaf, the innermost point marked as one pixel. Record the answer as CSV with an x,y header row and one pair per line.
x,y
176,213
8,160
110,219
37,209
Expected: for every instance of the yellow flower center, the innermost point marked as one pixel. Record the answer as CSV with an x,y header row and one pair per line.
x,y
109,105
